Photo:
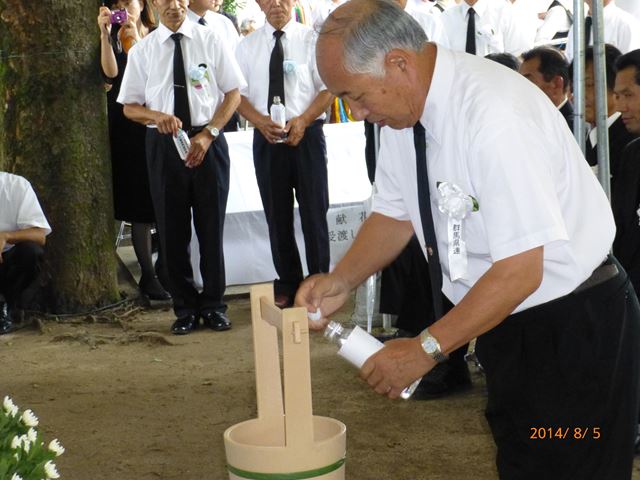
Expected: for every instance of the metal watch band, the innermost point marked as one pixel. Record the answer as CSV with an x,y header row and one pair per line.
x,y
435,352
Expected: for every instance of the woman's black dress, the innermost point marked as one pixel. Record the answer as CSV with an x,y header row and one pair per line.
x,y
131,195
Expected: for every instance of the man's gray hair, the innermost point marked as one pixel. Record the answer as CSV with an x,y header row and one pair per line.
x,y
368,39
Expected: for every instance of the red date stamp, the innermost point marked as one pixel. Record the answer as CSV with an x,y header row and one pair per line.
x,y
564,433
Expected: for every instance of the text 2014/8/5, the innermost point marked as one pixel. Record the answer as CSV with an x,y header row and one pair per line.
x,y
564,433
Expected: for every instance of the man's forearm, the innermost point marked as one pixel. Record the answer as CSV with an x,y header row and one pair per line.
x,y
226,109
248,111
33,234
140,114
494,297
317,107
379,241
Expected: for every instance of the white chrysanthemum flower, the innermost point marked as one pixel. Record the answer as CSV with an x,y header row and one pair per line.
x,y
16,441
14,411
26,444
8,404
16,477
29,419
55,447
50,470
32,435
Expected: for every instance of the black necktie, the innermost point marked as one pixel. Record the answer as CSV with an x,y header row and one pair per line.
x,y
587,31
180,97
276,71
426,217
470,46
202,21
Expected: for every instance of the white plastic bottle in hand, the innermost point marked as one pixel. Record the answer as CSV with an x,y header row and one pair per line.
x,y
278,113
356,346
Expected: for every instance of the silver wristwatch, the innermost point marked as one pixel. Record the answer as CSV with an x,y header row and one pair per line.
x,y
215,133
431,346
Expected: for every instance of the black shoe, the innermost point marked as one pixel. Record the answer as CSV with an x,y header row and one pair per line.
x,y
153,289
217,321
282,300
184,325
6,322
446,378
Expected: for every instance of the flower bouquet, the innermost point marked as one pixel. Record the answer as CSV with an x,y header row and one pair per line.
x,y
23,455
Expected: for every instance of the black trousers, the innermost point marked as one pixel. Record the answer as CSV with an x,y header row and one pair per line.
x,y
563,382
19,269
177,190
281,172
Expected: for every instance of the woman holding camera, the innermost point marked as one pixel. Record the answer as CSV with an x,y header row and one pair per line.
x,y
122,23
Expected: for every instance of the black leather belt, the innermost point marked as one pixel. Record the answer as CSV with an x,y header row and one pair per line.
x,y
601,274
193,131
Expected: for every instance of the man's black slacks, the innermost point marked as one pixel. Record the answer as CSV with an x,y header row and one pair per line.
x,y
281,172
176,191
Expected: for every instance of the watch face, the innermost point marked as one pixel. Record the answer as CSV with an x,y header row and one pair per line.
x,y
214,131
430,345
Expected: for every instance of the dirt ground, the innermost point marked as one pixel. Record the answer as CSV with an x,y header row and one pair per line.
x,y
130,401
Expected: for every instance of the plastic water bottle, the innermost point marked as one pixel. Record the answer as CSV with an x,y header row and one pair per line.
x,y
356,346
278,113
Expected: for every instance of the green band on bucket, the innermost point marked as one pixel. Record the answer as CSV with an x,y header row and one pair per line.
x,y
287,476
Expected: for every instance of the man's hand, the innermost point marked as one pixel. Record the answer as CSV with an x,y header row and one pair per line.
x,y
199,146
167,123
269,129
325,291
396,366
295,129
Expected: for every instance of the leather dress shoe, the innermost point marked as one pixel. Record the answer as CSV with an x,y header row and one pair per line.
x,y
6,322
184,325
282,300
152,288
217,321
444,379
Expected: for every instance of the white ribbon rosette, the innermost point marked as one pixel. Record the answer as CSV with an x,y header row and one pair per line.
x,y
456,205
494,41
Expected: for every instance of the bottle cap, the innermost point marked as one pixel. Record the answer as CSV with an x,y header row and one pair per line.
x,y
314,316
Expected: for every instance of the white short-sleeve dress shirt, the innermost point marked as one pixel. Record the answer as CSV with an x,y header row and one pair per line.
x,y
431,24
497,29
148,78
219,23
302,82
19,206
497,137
621,29
555,21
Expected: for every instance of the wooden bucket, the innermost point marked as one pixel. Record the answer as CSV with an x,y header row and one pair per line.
x,y
286,441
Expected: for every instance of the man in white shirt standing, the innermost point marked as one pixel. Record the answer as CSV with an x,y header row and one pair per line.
x,y
278,60
481,27
202,12
516,230
180,76
621,29
23,231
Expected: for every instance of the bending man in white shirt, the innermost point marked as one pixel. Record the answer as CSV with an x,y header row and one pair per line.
x,y
557,321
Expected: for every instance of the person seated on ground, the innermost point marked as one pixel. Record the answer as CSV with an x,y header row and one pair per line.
x,y
548,69
619,137
506,59
23,231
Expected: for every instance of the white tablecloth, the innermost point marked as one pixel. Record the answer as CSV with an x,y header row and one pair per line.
x,y
246,240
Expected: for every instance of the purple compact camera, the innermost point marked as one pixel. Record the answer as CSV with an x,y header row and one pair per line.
x,y
118,16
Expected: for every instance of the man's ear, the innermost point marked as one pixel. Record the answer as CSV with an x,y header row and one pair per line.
x,y
396,58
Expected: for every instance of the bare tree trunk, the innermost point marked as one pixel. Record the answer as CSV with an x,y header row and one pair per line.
x,y
53,131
